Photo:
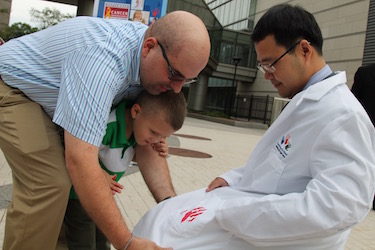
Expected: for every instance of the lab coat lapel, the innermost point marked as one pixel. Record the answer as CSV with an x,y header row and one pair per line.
x,y
314,92
318,90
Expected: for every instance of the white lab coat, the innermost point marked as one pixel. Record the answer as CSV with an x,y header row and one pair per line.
x,y
308,182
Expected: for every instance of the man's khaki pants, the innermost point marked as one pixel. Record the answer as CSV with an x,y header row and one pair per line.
x,y
34,151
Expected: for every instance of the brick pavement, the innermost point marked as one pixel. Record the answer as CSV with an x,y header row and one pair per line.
x,y
229,147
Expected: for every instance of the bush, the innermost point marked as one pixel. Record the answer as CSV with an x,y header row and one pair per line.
x,y
16,30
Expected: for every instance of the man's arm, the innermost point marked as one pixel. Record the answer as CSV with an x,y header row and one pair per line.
x,y
93,190
95,195
155,172
338,196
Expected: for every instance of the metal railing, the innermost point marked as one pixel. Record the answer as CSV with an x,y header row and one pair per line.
x,y
255,108
250,108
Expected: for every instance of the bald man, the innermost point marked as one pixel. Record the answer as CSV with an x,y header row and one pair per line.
x,y
62,82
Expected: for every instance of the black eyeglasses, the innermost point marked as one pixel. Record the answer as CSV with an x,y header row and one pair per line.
x,y
270,67
175,76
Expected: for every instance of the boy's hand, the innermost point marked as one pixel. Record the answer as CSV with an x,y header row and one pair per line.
x,y
113,184
161,147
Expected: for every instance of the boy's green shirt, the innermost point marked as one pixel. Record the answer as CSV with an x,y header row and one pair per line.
x,y
114,145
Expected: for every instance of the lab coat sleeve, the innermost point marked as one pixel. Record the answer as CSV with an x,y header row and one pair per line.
x,y
233,176
338,196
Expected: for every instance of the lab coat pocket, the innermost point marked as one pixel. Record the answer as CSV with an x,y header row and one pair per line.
x,y
266,175
190,221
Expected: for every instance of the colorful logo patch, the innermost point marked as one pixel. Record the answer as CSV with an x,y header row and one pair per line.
x,y
284,145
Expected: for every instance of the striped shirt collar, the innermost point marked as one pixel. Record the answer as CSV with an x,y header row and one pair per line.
x,y
319,76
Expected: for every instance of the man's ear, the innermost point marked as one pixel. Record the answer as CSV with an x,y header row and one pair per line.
x,y
135,110
306,47
148,44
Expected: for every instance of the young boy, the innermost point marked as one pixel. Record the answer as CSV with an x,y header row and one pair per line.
x,y
148,120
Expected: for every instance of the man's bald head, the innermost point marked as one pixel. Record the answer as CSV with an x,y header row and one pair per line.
x,y
180,30
177,44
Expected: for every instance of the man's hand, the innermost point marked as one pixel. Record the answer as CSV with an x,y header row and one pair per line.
x,y
161,147
218,182
139,243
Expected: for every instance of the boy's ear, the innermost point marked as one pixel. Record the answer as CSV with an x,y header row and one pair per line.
x,y
135,110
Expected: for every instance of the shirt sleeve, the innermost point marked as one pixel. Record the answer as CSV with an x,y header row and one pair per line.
x,y
339,195
233,176
90,81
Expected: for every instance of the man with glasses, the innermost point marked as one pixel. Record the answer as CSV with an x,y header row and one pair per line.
x,y
68,78
311,177
175,75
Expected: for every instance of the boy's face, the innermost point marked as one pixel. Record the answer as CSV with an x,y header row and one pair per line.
x,y
149,127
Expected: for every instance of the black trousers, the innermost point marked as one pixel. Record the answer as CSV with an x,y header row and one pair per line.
x,y
80,231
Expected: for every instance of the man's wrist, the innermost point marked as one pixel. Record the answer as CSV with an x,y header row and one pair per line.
x,y
129,242
168,197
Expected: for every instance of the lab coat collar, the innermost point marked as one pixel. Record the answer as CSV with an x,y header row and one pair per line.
x,y
314,93
318,90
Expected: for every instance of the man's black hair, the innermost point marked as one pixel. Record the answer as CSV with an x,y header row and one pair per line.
x,y
288,24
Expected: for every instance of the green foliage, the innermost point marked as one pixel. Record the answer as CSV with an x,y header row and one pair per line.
x,y
16,30
6,11
48,17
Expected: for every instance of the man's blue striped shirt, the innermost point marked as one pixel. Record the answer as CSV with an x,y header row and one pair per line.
x,y
77,70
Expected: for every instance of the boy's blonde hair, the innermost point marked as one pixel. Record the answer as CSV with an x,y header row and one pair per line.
x,y
172,105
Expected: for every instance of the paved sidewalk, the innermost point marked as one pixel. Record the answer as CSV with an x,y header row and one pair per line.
x,y
229,147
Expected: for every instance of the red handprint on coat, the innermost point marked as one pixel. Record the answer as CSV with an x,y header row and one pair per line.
x,y
155,12
192,214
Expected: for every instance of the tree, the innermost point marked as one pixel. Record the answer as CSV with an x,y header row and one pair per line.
x,y
6,11
48,17
16,30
